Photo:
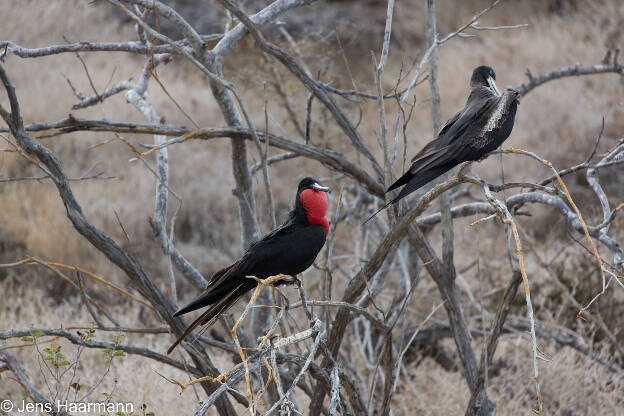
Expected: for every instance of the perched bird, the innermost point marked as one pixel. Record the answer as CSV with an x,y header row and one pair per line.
x,y
289,249
479,128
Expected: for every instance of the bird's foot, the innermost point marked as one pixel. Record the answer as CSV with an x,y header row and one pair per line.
x,y
284,279
296,281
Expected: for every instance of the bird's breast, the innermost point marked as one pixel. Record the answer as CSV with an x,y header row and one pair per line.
x,y
323,221
315,205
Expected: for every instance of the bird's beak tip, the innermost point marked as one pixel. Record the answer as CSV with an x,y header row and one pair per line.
x,y
318,187
492,84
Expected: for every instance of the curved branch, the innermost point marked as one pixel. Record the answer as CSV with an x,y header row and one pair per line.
x,y
307,81
574,70
234,36
77,340
99,239
327,157
174,17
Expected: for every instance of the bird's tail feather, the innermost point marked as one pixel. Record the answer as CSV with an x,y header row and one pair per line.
x,y
210,296
401,181
212,313
412,184
418,181
377,212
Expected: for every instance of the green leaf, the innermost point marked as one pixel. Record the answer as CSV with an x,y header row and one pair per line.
x,y
119,354
30,339
64,362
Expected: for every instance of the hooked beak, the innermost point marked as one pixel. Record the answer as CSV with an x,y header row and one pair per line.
x,y
318,187
492,85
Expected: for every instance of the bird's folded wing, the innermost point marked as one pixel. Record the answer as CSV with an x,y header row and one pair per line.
x,y
436,158
442,138
284,228
437,142
462,124
245,263
472,120
460,136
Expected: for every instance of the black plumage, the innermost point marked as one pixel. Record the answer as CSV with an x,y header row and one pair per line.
x,y
470,134
289,249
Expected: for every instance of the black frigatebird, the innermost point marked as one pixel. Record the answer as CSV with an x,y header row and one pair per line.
x,y
479,128
289,249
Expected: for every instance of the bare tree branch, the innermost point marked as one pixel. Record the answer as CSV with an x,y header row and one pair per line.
x,y
97,238
574,70
330,158
78,340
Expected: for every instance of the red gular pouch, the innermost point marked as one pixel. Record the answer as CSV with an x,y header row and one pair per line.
x,y
315,204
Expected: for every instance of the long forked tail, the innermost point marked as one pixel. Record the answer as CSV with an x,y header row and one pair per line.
x,y
212,313
397,184
413,184
401,181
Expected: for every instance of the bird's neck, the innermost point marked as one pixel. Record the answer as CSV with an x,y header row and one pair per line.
x,y
323,221
303,217
479,92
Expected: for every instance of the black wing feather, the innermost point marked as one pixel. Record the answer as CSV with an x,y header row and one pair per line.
x,y
432,145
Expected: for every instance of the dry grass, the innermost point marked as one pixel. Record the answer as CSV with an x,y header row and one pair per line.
x,y
559,121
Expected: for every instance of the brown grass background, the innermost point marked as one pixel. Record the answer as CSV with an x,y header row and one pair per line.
x,y
559,121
